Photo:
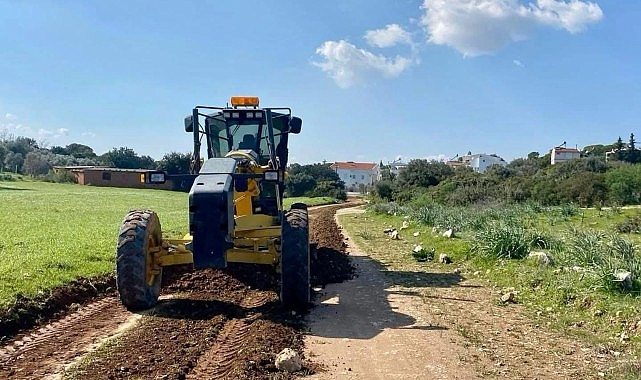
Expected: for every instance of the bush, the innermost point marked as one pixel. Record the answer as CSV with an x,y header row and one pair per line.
x,y
631,225
501,241
62,176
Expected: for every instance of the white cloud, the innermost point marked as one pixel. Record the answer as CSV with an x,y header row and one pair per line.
x,y
348,65
88,134
45,132
476,27
10,116
518,63
438,157
391,35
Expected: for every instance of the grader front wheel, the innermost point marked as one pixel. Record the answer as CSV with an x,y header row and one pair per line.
x,y
137,280
295,277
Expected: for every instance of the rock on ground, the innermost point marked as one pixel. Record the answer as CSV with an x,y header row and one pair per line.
x,y
288,360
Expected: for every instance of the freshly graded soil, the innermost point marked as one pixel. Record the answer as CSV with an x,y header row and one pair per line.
x,y
214,324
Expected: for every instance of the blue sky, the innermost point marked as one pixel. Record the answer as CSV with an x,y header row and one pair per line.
x,y
372,81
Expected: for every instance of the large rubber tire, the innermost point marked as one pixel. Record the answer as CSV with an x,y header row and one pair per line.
x,y
294,258
138,287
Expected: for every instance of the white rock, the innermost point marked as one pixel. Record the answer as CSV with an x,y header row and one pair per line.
x,y
508,297
394,235
625,278
405,225
416,234
418,249
443,258
449,233
288,360
542,258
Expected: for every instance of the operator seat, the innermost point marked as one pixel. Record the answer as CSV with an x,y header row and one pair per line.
x,y
249,142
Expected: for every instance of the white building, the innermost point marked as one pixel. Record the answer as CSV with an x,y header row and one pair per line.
x,y
562,154
478,162
357,175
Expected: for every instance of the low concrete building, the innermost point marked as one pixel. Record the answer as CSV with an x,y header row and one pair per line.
x,y
115,177
478,162
562,154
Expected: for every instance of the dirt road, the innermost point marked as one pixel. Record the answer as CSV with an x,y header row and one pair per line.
x,y
417,324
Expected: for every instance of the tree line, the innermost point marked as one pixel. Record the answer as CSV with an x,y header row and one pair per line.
x,y
23,155
604,175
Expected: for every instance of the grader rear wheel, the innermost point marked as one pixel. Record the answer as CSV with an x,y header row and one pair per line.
x,y
295,277
137,280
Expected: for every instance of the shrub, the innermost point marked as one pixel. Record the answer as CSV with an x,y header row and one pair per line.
x,y
501,241
630,225
62,176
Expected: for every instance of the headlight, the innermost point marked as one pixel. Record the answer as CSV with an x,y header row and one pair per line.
x,y
271,176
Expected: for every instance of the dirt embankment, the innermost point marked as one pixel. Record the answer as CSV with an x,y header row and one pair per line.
x,y
208,324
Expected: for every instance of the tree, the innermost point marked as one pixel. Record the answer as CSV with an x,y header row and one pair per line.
x,y
423,173
619,148
633,156
533,155
624,184
299,184
126,158
175,163
36,164
3,154
80,151
319,172
13,161
59,150
384,189
314,180
22,145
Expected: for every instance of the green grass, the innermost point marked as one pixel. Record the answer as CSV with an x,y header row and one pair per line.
x,y
53,233
308,201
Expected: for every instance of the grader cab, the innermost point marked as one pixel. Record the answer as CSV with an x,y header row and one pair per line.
x,y
235,207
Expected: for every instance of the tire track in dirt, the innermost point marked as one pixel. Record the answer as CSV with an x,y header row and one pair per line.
x,y
218,362
61,342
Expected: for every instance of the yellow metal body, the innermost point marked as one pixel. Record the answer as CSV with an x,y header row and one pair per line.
x,y
255,236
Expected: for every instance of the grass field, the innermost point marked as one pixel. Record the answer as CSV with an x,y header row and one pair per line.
x,y
53,233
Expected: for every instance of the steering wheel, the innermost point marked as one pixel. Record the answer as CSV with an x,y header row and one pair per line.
x,y
237,153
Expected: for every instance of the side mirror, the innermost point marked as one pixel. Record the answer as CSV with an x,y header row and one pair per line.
x,y
189,124
295,124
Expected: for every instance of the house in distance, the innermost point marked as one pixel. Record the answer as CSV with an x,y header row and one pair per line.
x,y
358,176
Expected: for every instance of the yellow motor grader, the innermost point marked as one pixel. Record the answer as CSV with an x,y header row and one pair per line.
x,y
235,207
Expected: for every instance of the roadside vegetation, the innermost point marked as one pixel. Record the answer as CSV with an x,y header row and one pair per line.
x,y
583,278
574,269
55,233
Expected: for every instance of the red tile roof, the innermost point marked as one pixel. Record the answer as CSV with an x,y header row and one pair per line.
x,y
353,165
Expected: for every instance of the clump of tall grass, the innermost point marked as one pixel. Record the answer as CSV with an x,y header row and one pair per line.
x,y
391,208
603,256
501,241
539,240
584,248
